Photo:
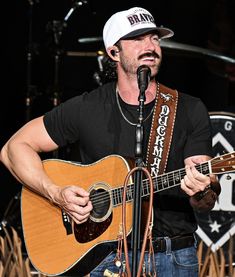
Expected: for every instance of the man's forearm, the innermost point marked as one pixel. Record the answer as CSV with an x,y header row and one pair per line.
x,y
26,166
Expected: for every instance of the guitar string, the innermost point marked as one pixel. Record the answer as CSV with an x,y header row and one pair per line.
x,y
131,188
103,195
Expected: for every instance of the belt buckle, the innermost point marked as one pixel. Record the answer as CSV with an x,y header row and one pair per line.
x,y
160,245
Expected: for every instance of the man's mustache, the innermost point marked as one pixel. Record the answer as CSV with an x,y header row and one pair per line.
x,y
149,55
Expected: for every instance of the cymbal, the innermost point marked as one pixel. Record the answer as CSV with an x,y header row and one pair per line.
x,y
84,53
90,39
173,46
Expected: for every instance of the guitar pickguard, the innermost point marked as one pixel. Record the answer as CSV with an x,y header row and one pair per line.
x,y
91,230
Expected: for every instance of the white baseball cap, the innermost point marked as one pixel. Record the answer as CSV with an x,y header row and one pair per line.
x,y
130,23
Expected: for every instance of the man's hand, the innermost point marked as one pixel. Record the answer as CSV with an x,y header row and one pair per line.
x,y
75,202
203,190
194,181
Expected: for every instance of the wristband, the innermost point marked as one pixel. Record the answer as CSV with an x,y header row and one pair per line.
x,y
201,194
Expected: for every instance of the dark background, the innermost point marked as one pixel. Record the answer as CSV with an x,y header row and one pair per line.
x,y
203,23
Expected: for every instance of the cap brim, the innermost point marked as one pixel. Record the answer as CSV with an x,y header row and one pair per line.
x,y
162,32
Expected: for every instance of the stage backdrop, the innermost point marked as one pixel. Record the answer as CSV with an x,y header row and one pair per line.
x,y
216,227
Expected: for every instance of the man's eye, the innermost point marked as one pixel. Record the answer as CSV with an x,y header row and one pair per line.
x,y
156,39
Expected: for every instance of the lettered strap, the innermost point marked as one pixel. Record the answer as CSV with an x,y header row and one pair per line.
x,y
161,130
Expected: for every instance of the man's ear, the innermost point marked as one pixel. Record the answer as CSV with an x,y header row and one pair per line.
x,y
113,53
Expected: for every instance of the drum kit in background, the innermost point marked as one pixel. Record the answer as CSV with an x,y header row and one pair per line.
x,y
56,29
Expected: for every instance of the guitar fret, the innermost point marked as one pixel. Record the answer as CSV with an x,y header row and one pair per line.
x,y
165,182
168,179
129,194
117,196
200,168
205,168
182,173
120,192
176,177
155,185
114,198
159,183
145,190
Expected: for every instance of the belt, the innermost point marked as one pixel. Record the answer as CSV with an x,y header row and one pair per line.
x,y
178,242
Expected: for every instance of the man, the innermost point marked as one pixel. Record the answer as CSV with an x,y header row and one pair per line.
x,y
104,123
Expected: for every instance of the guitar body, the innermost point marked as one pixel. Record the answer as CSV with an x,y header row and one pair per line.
x,y
54,244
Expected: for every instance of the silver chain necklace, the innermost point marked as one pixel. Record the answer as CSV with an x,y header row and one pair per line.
x,y
124,117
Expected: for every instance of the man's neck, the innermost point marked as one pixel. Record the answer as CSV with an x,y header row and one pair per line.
x,y
129,92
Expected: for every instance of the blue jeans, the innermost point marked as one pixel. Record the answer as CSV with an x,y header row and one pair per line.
x,y
182,263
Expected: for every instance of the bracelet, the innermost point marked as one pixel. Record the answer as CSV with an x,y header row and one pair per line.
x,y
201,194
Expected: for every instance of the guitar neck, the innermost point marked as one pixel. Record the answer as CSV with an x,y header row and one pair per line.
x,y
160,183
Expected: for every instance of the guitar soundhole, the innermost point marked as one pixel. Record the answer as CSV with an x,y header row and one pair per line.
x,y
101,204
100,217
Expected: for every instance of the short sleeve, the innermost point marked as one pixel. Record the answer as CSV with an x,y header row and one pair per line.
x,y
199,140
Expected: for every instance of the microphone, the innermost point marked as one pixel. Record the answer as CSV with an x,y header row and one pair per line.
x,y
143,76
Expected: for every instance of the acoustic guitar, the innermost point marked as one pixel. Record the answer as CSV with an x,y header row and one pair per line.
x,y
56,245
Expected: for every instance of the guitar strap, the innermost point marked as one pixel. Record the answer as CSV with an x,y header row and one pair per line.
x,y
161,130
159,142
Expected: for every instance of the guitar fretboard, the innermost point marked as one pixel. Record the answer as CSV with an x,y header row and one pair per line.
x,y
160,183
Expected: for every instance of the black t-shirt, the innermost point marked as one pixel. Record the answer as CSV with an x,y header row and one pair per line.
x,y
94,121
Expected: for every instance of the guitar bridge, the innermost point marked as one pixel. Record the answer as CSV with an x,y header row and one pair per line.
x,y
67,223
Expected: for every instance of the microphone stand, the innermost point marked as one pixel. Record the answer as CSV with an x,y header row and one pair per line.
x,y
57,27
31,89
138,177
